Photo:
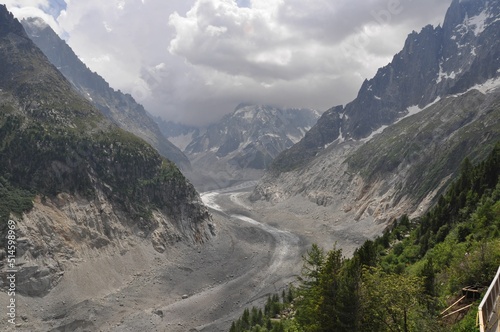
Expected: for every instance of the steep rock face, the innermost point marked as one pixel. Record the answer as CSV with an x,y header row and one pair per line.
x,y
121,108
395,147
401,170
433,63
249,139
94,185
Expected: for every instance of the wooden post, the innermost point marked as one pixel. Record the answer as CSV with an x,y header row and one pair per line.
x,y
457,311
454,304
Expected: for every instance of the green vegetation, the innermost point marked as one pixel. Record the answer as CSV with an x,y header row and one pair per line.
x,y
48,159
53,141
267,320
405,279
13,200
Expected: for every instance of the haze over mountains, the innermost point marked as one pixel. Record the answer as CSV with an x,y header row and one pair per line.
x,y
240,142
244,143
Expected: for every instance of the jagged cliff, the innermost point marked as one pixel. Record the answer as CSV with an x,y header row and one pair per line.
x,y
75,183
433,63
121,108
397,145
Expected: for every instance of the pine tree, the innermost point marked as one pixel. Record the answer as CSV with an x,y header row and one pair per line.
x,y
260,318
269,324
290,295
245,319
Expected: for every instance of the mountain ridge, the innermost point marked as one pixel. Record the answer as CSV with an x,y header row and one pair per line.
x,y
243,143
433,63
121,108
357,156
92,186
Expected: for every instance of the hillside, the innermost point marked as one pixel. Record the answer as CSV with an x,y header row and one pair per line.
x,y
77,186
120,108
426,274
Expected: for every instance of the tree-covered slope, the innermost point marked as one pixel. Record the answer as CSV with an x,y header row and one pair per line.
x,y
412,278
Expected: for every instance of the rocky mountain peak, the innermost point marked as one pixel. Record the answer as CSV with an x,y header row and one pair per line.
x,y
272,129
8,24
476,14
245,142
395,147
435,62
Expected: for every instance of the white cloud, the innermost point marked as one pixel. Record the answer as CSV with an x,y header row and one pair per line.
x,y
194,60
35,8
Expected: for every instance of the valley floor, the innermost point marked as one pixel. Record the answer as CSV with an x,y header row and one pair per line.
x,y
257,251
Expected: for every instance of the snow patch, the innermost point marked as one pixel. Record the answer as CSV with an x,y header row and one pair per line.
x,y
341,136
247,113
340,139
303,131
478,23
486,87
293,138
444,76
415,109
373,134
377,97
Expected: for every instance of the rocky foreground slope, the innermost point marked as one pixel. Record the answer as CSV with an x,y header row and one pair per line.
x,y
76,185
376,158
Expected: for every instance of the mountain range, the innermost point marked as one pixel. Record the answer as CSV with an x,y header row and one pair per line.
x,y
245,142
396,146
90,179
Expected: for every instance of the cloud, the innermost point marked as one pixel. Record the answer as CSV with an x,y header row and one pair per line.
x,y
45,9
195,60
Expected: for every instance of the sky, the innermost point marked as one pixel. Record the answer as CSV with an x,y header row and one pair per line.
x,y
192,61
